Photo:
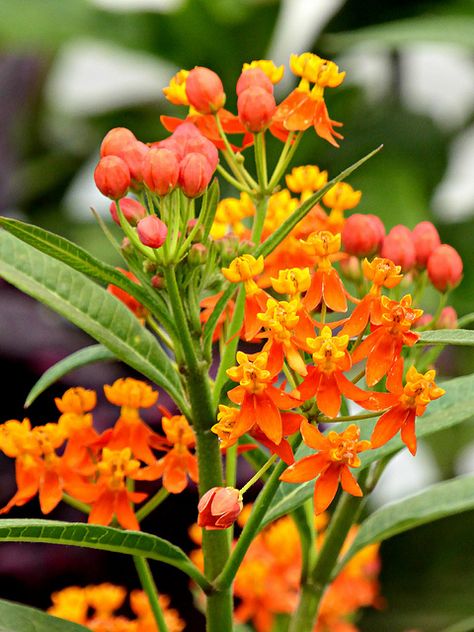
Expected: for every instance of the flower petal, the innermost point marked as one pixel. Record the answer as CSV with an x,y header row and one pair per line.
x,y
326,488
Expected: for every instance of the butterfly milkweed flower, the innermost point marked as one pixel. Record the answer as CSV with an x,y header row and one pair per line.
x,y
336,453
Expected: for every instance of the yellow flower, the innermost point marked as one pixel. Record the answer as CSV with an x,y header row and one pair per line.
x,y
274,73
314,69
175,92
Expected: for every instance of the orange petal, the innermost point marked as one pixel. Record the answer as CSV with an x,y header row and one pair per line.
x,y
295,360
358,319
315,291
124,512
306,469
326,488
328,396
349,389
268,418
313,437
296,111
388,425
408,432
380,359
102,510
174,475
50,492
333,292
291,423
349,483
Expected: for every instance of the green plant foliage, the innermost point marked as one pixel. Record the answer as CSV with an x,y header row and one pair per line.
x,y
460,337
90,307
16,618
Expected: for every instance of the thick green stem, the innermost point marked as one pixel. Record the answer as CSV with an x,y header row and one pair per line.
x,y
149,586
347,512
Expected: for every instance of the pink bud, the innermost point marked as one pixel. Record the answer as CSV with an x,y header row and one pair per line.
x,y
253,78
160,171
152,231
132,209
190,140
399,247
351,268
112,177
121,142
194,174
444,268
363,235
426,239
256,108
219,508
204,90
448,319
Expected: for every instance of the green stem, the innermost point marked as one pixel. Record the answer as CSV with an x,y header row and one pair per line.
x,y
77,504
231,180
156,500
291,145
149,253
260,214
328,420
149,586
346,513
239,171
258,474
261,161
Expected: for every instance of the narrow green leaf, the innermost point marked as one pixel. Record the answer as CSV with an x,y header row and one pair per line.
x,y
460,337
83,357
211,324
438,501
284,229
465,625
209,206
455,407
76,257
94,536
453,29
90,307
17,618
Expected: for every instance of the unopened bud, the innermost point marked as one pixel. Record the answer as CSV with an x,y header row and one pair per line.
x,y
160,171
204,90
197,255
148,266
112,177
426,239
219,508
194,174
398,246
132,210
351,268
448,319
157,281
121,142
363,235
126,246
152,231
256,108
444,268
253,78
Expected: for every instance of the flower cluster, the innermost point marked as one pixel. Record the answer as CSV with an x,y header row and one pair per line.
x,y
95,607
71,459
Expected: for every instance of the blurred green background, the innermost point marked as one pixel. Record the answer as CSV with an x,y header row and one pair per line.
x,y
72,69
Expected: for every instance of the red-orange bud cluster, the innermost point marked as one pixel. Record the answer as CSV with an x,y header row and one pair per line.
x,y
426,239
256,103
121,142
398,246
160,170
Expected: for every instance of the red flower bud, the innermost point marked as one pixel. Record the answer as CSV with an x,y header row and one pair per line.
x,y
219,508
363,235
256,108
152,231
191,140
132,209
160,170
253,78
194,174
112,177
351,268
204,90
121,142
444,267
426,239
399,247
448,319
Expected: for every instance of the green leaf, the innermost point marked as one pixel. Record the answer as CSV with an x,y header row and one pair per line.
x,y
211,324
438,501
460,337
17,618
83,357
91,308
454,29
94,536
455,407
76,257
284,229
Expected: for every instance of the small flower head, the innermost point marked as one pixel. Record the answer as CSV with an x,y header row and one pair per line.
x,y
256,107
274,73
226,419
105,598
175,92
419,390
112,177
132,210
243,268
152,231
344,447
314,69
363,235
399,317
398,246
382,272
178,431
116,466
251,372
160,170
329,352
445,268
342,197
306,179
280,318
76,400
195,173
426,239
204,90
121,142
322,244
219,508
130,393
292,281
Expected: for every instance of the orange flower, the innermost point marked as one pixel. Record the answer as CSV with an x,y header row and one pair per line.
x,y
340,198
306,180
130,430
406,403
305,106
383,346
382,273
243,269
325,379
325,285
208,305
336,453
109,495
260,401
179,462
38,468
